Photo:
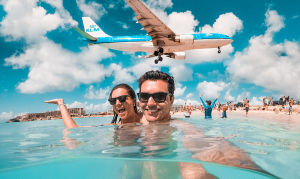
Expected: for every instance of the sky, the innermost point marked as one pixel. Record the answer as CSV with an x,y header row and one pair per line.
x,y
43,58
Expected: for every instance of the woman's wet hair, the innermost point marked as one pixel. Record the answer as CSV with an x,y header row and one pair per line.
x,y
208,102
130,92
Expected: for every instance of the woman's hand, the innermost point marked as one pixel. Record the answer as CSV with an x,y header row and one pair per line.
x,y
55,101
217,96
199,95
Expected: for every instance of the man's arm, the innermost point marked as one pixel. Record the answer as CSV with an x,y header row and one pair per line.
x,y
202,101
213,104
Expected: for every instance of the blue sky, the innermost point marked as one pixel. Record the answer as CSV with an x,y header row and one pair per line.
x,y
42,57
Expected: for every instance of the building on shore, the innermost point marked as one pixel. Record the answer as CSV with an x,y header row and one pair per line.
x,y
74,112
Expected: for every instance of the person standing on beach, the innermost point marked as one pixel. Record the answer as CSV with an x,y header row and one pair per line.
x,y
208,108
284,100
291,102
287,99
247,106
231,105
224,109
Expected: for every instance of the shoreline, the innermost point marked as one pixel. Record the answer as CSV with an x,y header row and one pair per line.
x,y
270,115
45,119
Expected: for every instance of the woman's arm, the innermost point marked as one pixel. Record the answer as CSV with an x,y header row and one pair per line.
x,y
69,122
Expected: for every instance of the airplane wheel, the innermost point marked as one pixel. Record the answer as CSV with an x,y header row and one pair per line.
x,y
155,53
219,51
161,50
155,61
160,59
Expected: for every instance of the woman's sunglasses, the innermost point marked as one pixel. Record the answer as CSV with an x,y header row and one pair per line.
x,y
158,97
122,99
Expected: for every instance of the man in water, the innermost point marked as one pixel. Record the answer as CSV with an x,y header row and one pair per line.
x,y
208,108
156,98
186,111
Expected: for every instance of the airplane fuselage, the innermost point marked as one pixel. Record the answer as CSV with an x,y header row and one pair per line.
x,y
144,43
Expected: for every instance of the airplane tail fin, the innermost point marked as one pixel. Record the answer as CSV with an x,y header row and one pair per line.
x,y
92,28
84,34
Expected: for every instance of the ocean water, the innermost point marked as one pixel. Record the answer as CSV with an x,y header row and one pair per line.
x,y
217,148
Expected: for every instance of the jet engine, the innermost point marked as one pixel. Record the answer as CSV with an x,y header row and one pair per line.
x,y
177,55
184,39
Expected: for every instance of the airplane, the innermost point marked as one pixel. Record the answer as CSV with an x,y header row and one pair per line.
x,y
160,40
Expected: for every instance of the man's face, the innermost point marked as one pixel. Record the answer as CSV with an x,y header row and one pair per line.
x,y
152,110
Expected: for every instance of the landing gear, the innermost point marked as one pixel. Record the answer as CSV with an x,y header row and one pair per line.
x,y
219,50
159,53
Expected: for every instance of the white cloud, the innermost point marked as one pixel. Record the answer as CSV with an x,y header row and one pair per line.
x,y
123,24
255,101
91,9
178,90
111,6
55,3
210,90
142,68
273,21
189,96
182,22
121,75
242,96
267,64
24,19
199,75
54,68
227,24
181,73
101,107
4,116
228,96
159,4
182,102
97,94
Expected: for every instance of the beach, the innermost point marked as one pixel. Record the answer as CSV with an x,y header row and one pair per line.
x,y
276,115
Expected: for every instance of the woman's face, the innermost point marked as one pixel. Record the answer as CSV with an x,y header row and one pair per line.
x,y
124,110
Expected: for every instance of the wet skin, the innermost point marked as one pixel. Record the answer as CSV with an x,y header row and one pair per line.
x,y
153,111
125,110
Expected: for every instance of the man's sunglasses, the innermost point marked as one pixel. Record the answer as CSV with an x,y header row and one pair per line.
x,y
122,99
158,97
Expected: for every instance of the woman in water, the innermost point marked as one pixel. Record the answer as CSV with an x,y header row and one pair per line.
x,y
123,99
208,108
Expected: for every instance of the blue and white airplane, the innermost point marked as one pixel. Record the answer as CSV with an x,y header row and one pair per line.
x,y
160,40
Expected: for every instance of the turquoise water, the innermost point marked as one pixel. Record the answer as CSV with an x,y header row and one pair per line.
x,y
223,148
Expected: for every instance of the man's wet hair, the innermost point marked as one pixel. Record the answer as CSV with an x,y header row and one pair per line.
x,y
130,92
208,102
158,75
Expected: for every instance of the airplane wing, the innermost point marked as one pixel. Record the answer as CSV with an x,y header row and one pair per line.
x,y
160,33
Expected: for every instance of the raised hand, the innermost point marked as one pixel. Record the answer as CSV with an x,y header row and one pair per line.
x,y
55,101
217,96
199,95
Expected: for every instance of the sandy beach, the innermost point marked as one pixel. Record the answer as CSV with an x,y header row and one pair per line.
x,y
278,116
